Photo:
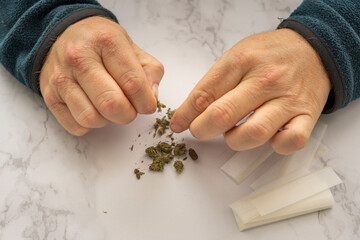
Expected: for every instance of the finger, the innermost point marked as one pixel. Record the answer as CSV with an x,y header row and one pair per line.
x,y
227,111
263,124
79,104
294,135
63,115
123,65
104,92
154,70
221,78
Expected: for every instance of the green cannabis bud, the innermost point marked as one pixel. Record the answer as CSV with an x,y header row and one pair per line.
x,y
180,149
179,166
152,152
157,165
164,147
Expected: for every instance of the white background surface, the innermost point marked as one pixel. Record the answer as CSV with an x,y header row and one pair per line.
x,y
56,186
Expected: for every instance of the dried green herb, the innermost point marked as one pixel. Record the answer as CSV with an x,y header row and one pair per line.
x,y
163,122
170,113
161,131
193,154
132,148
168,157
180,149
185,158
138,173
179,166
152,152
160,106
160,126
164,147
157,165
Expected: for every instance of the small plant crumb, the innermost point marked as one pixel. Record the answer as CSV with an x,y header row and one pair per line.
x,y
193,154
132,148
180,149
160,106
170,113
179,166
138,173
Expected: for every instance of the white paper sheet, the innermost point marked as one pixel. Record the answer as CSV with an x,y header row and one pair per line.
x,y
242,164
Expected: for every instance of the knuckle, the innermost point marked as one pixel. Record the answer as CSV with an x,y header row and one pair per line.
x,y
131,83
258,133
158,66
105,38
237,58
109,103
50,99
58,79
202,99
222,115
88,118
270,79
75,56
298,139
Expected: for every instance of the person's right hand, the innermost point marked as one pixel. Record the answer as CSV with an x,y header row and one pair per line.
x,y
94,74
277,76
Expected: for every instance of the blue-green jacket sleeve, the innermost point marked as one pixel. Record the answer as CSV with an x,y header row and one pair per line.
x,y
332,27
28,28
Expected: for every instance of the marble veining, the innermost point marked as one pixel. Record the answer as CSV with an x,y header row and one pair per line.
x,y
57,186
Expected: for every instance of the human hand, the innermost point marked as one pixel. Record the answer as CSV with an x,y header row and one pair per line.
x,y
276,74
94,74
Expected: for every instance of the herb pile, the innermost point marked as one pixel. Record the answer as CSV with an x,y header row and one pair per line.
x,y
164,152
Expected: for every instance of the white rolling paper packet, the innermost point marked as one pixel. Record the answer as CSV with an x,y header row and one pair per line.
x,y
281,200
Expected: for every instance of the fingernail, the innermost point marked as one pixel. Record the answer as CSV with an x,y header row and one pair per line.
x,y
155,90
176,128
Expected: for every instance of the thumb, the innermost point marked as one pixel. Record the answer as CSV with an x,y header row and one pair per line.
x,y
154,70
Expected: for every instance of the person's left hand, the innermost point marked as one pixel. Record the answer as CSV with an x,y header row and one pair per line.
x,y
278,75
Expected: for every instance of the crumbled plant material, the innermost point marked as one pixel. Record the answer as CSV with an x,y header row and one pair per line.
x,y
193,154
170,113
161,131
157,165
179,166
160,106
160,126
138,173
171,137
180,149
168,157
132,147
165,151
152,152
164,147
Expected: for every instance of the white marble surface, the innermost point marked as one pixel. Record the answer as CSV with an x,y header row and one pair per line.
x,y
56,186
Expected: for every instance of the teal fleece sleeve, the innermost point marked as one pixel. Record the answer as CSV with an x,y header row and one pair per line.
x,y
28,28
332,27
